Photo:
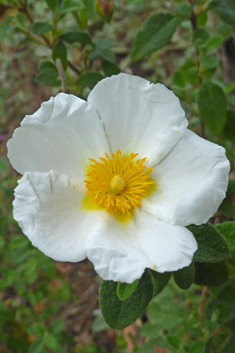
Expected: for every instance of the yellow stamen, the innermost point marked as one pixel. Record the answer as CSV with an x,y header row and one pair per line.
x,y
118,183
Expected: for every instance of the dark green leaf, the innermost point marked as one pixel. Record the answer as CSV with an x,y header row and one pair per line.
x,y
160,280
200,34
226,10
212,105
124,290
52,4
48,75
229,127
209,62
229,346
41,27
227,294
227,229
184,9
76,36
119,314
202,19
227,208
185,276
57,325
70,6
179,78
212,246
155,33
104,53
110,68
60,52
50,341
213,42
89,79
36,347
211,274
231,188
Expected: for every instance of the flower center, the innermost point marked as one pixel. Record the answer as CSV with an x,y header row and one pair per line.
x,y
118,183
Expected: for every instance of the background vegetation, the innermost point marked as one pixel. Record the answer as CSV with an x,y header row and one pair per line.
x,y
67,45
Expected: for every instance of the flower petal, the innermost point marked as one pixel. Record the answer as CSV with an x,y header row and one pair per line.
x,y
121,252
48,209
60,136
192,181
139,117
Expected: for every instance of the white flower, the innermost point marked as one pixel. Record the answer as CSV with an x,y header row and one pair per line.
x,y
125,212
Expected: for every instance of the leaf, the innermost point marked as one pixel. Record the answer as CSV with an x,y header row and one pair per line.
x,y
110,68
226,10
211,274
212,247
104,52
119,314
212,105
227,294
229,127
60,52
227,229
89,79
179,78
52,4
48,75
185,276
155,33
70,6
50,341
76,36
4,163
124,290
41,27
160,280
231,188
213,42
57,325
200,34
209,61
184,9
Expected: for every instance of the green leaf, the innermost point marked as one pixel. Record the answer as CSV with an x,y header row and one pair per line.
x,y
76,36
110,68
209,61
41,27
202,19
212,105
226,10
200,34
103,51
227,229
229,127
179,78
155,33
36,347
70,6
89,79
4,163
57,325
48,75
60,52
52,4
160,280
124,290
50,341
213,42
227,294
119,314
184,9
231,188
185,276
212,247
211,274
229,345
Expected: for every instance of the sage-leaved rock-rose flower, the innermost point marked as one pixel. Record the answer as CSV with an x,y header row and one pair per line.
x,y
116,179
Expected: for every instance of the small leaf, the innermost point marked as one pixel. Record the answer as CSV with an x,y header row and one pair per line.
x,y
184,9
229,127
41,27
48,75
209,62
4,163
160,280
103,52
226,10
110,68
124,290
227,229
89,79
119,314
60,52
185,276
212,246
155,33
57,325
213,42
227,294
76,36
212,105
52,4
70,6
200,34
202,19
50,341
179,78
211,274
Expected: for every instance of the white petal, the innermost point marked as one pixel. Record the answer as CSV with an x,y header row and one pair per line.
x,y
60,136
192,181
48,209
139,117
121,252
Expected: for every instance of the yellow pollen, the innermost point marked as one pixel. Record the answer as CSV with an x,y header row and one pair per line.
x,y
118,183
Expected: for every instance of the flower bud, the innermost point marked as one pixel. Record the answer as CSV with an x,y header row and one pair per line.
x,y
104,8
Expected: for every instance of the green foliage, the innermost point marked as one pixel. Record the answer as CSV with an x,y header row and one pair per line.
x,y
160,280
41,27
212,246
124,290
121,313
90,79
185,277
48,74
70,6
76,36
155,33
227,229
212,105
226,10
211,274
60,52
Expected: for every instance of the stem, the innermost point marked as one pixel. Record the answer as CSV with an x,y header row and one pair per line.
x,y
202,303
62,75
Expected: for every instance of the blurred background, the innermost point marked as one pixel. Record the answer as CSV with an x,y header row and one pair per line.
x,y
47,47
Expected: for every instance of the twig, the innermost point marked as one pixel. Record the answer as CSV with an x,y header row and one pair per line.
x,y
62,75
202,303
